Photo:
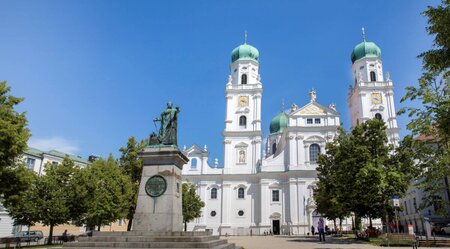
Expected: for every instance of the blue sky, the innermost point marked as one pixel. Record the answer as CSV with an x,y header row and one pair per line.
x,y
94,73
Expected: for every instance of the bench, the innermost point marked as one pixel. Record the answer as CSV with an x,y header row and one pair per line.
x,y
404,237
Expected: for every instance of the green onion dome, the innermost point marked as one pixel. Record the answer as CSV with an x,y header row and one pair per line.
x,y
365,50
279,123
246,52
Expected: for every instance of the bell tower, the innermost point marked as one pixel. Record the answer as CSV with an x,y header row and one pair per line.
x,y
243,92
371,95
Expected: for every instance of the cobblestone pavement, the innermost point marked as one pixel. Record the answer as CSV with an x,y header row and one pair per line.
x,y
303,242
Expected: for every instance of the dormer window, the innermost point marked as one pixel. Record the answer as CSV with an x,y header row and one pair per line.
x,y
309,121
317,121
244,79
373,77
194,163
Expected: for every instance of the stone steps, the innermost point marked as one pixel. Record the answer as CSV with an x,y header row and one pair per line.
x,y
143,239
148,238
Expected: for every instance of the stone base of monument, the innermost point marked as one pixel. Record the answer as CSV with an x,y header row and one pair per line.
x,y
142,239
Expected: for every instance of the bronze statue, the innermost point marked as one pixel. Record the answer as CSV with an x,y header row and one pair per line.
x,y
167,134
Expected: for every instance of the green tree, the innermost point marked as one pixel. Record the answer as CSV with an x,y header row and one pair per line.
x,y
131,164
14,135
359,172
192,204
21,205
430,121
103,193
437,60
52,194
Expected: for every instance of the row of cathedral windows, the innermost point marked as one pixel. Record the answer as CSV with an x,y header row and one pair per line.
x,y
241,193
310,121
314,151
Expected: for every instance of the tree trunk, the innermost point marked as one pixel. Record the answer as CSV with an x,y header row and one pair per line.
x,y
130,222
50,235
98,228
185,226
335,227
370,221
340,225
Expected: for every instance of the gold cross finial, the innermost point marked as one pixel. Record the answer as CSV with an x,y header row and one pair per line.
x,y
363,33
245,37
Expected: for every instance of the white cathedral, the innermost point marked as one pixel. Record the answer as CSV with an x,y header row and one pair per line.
x,y
267,185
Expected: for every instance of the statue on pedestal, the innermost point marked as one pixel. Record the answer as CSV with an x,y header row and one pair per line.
x,y
167,134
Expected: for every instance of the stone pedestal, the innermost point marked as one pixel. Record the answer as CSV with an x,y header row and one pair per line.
x,y
163,213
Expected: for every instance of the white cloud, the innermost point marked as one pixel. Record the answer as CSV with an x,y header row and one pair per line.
x,y
54,143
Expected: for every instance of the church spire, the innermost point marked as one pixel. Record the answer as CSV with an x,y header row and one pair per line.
x,y
363,34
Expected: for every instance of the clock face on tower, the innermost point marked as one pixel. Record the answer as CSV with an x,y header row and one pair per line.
x,y
376,98
243,101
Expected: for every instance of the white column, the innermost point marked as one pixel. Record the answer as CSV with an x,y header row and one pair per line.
x,y
265,203
226,204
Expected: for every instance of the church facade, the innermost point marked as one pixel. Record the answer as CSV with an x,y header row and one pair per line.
x,y
266,185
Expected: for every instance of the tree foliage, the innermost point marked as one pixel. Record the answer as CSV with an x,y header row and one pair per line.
x,y
14,135
52,194
360,171
192,204
102,194
131,165
21,205
430,121
437,60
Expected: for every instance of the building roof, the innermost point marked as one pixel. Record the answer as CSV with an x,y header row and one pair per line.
x,y
246,52
279,123
55,153
365,50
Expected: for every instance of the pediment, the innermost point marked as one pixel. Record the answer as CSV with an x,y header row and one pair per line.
x,y
193,149
317,139
241,145
313,109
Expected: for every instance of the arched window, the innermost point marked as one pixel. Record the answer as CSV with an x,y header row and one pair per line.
x,y
193,163
314,151
274,148
378,116
243,121
213,193
241,193
243,79
373,77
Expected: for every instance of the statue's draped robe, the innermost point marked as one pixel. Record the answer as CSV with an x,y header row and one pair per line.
x,y
168,131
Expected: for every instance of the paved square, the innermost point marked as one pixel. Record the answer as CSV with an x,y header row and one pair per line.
x,y
303,242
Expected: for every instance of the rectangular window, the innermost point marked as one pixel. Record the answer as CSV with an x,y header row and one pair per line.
x,y
406,207
309,121
317,121
275,195
30,163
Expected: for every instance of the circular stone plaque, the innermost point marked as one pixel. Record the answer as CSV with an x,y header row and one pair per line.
x,y
155,186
